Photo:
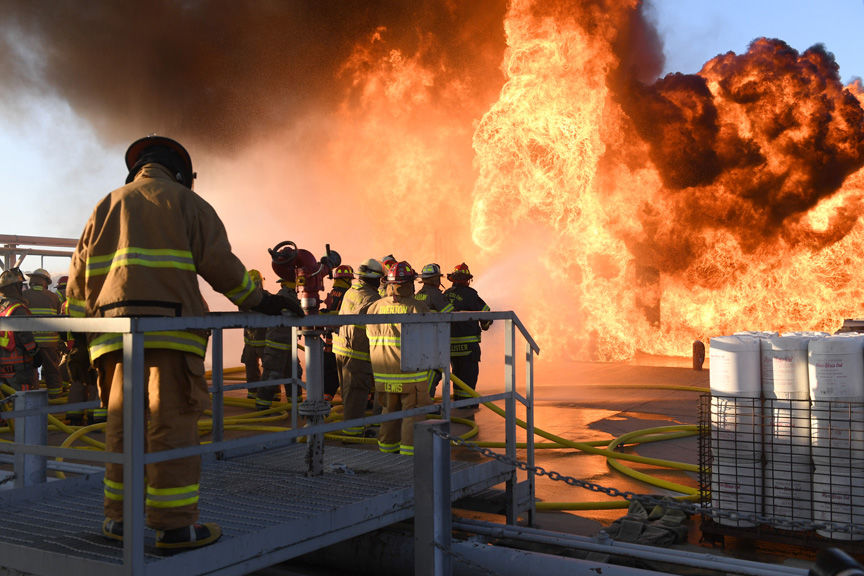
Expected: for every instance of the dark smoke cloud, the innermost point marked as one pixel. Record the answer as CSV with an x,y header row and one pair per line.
x,y
749,145
220,73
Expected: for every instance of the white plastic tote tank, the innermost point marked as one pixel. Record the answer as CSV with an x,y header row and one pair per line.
x,y
836,373
736,436
786,438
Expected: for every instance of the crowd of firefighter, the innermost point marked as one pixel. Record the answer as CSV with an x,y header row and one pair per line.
x,y
140,254
362,363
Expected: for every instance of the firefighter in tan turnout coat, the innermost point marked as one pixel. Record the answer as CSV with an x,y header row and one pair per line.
x,y
44,302
351,346
402,390
140,254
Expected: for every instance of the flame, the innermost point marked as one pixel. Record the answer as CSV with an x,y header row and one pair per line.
x,y
615,215
661,213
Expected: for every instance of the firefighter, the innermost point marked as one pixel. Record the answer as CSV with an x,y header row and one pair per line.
x,y
140,254
402,390
465,336
254,340
276,358
351,346
82,383
431,295
18,350
61,288
43,302
342,277
63,366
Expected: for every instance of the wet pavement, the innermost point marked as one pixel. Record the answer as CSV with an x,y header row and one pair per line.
x,y
601,401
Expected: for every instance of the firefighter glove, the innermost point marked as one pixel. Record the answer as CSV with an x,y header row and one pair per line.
x,y
485,324
274,304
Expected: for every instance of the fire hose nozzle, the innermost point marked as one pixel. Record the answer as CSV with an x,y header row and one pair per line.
x,y
330,261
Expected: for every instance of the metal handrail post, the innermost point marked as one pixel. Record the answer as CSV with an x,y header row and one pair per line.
x,y
294,376
445,392
31,469
217,375
134,426
529,439
510,417
315,409
432,515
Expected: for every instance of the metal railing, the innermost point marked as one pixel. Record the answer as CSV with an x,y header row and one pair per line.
x,y
134,457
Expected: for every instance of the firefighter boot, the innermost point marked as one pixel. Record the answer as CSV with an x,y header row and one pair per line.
x,y
112,529
192,536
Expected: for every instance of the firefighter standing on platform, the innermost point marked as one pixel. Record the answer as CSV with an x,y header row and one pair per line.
x,y
44,302
431,295
465,336
402,390
342,277
18,350
65,377
254,340
276,359
61,288
351,346
82,384
140,254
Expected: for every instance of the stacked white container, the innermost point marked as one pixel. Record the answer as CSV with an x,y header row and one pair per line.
x,y
736,422
786,389
836,375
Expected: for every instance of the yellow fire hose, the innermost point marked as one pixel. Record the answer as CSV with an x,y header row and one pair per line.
x,y
262,421
612,457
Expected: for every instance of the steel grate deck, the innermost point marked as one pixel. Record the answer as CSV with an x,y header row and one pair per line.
x,y
268,509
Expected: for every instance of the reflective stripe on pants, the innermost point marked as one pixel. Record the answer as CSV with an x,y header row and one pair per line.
x,y
401,432
177,397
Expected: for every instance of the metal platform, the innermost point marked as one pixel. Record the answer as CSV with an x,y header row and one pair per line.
x,y
269,510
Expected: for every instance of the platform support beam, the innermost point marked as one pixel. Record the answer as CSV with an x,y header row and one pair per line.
x,y
30,469
432,519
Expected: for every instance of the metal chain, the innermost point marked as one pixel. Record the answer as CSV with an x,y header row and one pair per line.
x,y
654,500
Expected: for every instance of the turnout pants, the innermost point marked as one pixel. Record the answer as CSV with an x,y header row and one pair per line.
x,y
50,356
20,377
251,358
398,435
276,364
176,397
357,383
467,369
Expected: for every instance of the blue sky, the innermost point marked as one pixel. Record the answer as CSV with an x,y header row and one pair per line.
x,y
696,30
54,167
